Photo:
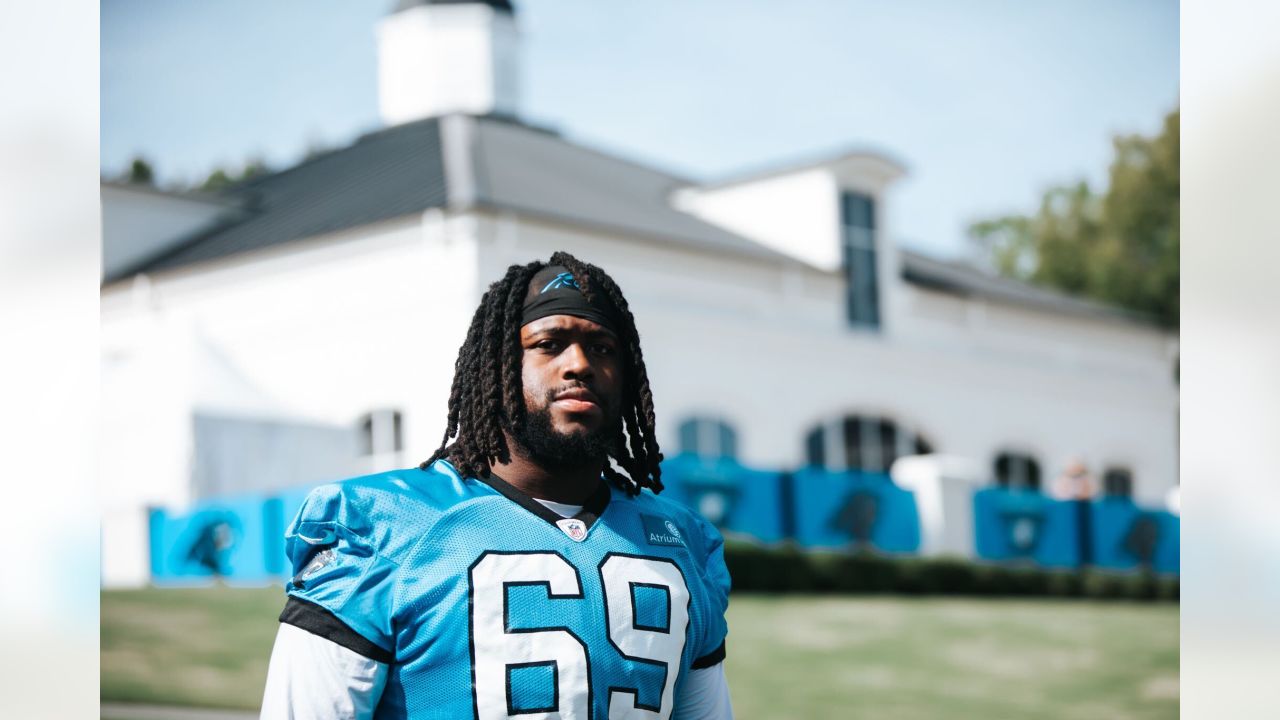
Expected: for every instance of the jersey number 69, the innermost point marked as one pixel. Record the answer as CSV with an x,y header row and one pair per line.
x,y
498,649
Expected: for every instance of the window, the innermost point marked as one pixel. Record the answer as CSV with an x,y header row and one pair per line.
x,y
708,438
1016,471
862,442
815,447
858,239
380,432
1117,482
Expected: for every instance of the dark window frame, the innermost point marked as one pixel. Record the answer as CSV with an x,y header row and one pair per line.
x,y
860,255
869,443
1017,471
1117,481
365,429
693,430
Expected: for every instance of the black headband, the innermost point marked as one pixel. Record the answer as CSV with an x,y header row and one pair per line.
x,y
553,291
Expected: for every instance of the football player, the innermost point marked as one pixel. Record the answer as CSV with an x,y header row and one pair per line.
x,y
528,569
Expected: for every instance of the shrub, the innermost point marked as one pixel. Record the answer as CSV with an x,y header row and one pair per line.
x,y
868,572
788,568
1064,584
991,580
1139,587
1102,585
950,575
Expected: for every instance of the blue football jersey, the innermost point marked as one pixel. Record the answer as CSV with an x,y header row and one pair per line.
x,y
485,604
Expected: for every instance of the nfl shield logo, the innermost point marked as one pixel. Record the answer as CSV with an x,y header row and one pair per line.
x,y
574,528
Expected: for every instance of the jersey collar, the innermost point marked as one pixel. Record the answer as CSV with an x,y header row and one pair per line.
x,y
592,509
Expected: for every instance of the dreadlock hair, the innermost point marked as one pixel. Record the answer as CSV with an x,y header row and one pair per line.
x,y
487,396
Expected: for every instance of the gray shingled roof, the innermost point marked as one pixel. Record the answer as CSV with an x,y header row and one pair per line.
x,y
538,173
493,163
381,176
959,279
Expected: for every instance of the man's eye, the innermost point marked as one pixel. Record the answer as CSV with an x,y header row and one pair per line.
x,y
602,349
551,345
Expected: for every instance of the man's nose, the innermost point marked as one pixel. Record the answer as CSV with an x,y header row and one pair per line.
x,y
576,362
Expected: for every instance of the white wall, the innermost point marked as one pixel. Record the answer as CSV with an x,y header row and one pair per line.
x,y
329,329
145,437
936,319
796,214
340,325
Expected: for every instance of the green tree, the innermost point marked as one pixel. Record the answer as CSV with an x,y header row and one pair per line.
x,y
221,179
1119,247
217,180
140,172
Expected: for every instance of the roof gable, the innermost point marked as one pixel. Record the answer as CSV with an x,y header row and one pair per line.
x,y
382,175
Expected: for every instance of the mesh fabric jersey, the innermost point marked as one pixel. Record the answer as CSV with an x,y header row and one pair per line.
x,y
486,604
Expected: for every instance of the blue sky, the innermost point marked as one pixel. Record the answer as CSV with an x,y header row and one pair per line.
x,y
987,102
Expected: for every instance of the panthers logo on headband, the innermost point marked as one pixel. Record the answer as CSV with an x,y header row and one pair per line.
x,y
563,280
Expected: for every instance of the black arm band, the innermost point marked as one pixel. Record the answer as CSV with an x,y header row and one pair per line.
x,y
319,621
712,658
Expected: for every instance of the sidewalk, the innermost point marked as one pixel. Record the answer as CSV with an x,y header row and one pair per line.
x,y
123,711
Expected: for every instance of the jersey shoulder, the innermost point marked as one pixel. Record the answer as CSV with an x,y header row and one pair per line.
x,y
389,511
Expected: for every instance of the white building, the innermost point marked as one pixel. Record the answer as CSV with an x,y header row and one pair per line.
x,y
303,327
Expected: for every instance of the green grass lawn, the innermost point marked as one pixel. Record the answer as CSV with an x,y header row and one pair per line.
x,y
903,659
890,658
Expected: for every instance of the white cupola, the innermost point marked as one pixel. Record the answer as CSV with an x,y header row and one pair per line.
x,y
443,56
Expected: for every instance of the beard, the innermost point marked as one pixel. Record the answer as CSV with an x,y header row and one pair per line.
x,y
552,449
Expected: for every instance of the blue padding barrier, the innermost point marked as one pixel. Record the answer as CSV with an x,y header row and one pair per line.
x,y
1127,537
291,503
155,540
846,509
241,539
1025,525
734,498
273,525
225,539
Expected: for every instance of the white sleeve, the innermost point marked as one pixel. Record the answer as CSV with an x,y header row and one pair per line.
x,y
704,696
313,677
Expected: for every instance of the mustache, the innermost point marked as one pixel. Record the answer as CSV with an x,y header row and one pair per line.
x,y
553,392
